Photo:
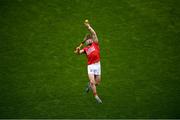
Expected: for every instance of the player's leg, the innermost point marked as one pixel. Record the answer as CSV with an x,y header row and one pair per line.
x,y
90,71
97,82
92,83
98,73
93,87
97,79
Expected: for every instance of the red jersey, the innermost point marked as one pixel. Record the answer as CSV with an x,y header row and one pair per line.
x,y
92,53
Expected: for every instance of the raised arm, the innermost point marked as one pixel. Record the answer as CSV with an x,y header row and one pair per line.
x,y
91,30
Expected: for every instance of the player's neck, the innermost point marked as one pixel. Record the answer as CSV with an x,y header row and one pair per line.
x,y
89,45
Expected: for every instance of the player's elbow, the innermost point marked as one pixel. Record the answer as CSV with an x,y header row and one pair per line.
x,y
93,33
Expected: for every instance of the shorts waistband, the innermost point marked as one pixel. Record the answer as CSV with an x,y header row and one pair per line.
x,y
95,63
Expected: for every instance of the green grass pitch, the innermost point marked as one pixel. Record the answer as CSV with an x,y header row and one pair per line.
x,y
40,77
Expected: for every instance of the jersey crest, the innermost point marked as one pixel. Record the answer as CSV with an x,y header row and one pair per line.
x,y
90,50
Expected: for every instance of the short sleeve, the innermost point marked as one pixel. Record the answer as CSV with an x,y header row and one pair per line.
x,y
96,43
85,49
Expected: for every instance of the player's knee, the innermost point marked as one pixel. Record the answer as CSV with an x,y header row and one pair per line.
x,y
98,79
92,82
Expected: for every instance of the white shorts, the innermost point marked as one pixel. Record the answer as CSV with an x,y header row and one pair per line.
x,y
94,68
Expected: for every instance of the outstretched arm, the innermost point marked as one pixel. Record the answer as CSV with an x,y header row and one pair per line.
x,y
91,30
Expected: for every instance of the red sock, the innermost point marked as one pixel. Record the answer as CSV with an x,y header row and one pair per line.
x,y
95,94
